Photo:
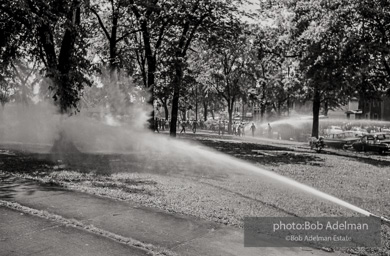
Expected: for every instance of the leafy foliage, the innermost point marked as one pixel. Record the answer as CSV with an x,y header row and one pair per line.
x,y
197,52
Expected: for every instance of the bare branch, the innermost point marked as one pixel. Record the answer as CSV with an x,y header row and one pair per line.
x,y
127,34
101,24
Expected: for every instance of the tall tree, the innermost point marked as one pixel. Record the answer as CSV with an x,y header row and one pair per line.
x,y
229,70
54,33
116,26
319,32
197,19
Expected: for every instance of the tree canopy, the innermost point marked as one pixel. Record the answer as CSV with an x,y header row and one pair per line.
x,y
196,54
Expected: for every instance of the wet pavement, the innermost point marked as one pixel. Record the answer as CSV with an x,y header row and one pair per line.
x,y
181,234
13,188
22,234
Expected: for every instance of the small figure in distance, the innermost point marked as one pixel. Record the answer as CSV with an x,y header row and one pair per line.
x,y
156,123
194,126
253,129
183,127
269,131
221,127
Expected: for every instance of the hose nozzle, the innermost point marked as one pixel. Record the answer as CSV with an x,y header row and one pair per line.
x,y
383,219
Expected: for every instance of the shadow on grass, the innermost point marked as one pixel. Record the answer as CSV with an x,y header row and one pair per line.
x,y
366,160
262,154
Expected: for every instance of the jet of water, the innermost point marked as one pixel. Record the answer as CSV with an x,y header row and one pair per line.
x,y
254,169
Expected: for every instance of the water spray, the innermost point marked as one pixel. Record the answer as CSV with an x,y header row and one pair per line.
x,y
30,131
303,187
383,219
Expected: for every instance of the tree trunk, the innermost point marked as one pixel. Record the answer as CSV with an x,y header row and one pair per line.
x,y
230,112
65,90
166,110
262,111
279,109
243,112
316,112
326,108
175,100
113,52
184,115
205,111
262,102
196,104
151,63
288,105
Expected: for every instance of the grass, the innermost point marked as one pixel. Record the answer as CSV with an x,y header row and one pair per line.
x,y
222,195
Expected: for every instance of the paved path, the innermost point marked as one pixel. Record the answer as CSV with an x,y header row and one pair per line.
x,y
22,234
183,235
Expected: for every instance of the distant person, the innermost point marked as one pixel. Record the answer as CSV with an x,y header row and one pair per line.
x,y
242,129
269,131
253,129
220,127
183,127
194,124
234,128
156,125
239,130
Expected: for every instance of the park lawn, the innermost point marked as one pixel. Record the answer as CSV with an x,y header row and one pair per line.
x,y
224,197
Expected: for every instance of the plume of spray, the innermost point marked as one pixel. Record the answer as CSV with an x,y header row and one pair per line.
x,y
41,125
29,125
299,127
301,121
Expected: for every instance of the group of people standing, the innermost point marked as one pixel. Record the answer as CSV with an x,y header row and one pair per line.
x,y
241,130
187,124
161,125
238,129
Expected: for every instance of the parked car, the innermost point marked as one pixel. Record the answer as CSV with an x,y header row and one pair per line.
x,y
341,140
383,137
359,131
371,143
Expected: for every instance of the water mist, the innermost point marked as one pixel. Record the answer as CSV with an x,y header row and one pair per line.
x,y
41,125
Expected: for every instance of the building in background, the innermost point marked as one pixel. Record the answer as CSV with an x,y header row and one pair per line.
x,y
375,109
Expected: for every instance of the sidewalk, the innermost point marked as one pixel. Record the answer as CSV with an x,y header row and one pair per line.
x,y
180,234
22,234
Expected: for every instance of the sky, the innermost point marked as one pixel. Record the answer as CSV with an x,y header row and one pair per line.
x,y
252,6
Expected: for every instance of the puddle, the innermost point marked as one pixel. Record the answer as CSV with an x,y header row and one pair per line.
x,y
12,187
